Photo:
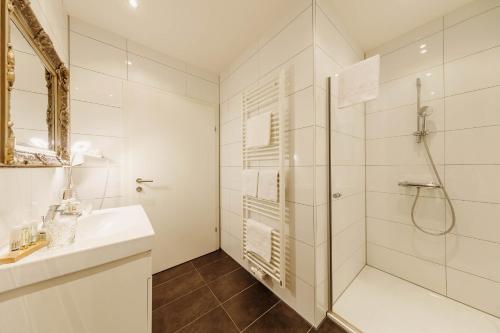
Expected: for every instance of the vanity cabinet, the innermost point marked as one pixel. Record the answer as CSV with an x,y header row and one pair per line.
x,y
114,297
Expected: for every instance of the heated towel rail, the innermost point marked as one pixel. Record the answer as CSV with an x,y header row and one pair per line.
x,y
267,97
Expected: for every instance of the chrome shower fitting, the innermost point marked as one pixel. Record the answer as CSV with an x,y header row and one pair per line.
x,y
422,113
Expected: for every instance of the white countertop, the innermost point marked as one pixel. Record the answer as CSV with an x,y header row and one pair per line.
x,y
104,236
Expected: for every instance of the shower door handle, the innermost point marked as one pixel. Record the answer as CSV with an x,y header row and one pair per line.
x,y
336,195
140,181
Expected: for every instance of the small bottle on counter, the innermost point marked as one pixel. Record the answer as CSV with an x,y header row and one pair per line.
x,y
15,238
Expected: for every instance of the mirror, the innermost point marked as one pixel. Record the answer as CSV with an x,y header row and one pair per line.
x,y
34,122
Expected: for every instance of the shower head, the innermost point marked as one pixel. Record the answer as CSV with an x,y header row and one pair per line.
x,y
425,111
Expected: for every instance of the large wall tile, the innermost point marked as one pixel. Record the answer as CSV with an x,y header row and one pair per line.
x,y
146,52
481,70
347,150
421,272
346,243
301,222
97,33
348,179
301,141
343,276
28,110
473,146
94,87
474,182
474,256
96,119
407,239
157,75
91,54
300,185
347,211
416,57
472,9
202,89
476,34
473,109
479,293
301,108
477,220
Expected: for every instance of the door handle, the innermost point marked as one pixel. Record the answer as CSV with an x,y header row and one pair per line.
x,y
140,181
336,195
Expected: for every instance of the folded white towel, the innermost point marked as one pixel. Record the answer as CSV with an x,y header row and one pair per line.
x,y
268,185
359,83
250,180
259,239
259,130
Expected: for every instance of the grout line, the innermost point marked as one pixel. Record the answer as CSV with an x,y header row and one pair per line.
x,y
240,292
471,17
176,299
195,319
173,277
470,54
444,173
407,254
263,314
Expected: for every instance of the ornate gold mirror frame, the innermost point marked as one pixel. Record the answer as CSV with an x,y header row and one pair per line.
x,y
57,77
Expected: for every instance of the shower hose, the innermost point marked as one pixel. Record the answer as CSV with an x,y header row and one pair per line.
x,y
442,187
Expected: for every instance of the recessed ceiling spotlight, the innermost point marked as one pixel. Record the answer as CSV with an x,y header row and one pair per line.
x,y
133,3
128,62
423,51
423,46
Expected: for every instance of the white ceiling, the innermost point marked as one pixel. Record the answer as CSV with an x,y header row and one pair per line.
x,y
211,33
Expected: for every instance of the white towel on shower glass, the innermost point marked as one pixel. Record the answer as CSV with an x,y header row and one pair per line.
x,y
259,239
258,130
250,180
268,185
359,83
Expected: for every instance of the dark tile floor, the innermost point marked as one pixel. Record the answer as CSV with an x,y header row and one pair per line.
x,y
214,293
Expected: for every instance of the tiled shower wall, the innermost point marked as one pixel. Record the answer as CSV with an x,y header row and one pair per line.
x,y
334,50
307,44
458,59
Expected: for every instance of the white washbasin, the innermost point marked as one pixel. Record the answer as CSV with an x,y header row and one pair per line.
x,y
104,236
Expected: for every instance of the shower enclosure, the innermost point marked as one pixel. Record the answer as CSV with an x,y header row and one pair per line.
x,y
415,205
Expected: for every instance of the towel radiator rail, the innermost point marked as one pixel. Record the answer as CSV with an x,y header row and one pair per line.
x,y
267,97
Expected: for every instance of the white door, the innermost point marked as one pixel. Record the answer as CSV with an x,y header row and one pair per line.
x,y
172,141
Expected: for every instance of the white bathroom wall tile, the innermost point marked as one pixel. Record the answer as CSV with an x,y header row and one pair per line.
x,y
28,110
480,293
302,261
157,75
225,241
476,34
231,178
290,41
301,142
403,91
322,299
325,67
347,179
347,150
91,54
46,188
114,182
94,87
404,150
300,185
225,199
331,40
299,295
225,155
89,183
345,244
231,132
53,17
30,73
112,203
321,185
386,178
203,74
463,252
321,262
144,51
477,220
244,76
407,239
347,211
96,119
18,42
301,108
112,149
27,137
472,146
321,224
224,114
236,202
402,120
321,148
202,89
416,57
350,120
485,104
321,107
481,70
301,226
235,105
96,33
473,182
468,11
421,272
411,37
430,212
344,275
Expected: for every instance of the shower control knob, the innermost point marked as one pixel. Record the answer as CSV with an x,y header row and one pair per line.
x,y
336,195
